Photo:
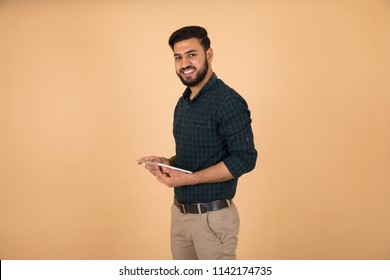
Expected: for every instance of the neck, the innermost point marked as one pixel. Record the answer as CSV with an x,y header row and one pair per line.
x,y
195,90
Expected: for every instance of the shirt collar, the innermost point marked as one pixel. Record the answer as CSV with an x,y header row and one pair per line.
x,y
208,85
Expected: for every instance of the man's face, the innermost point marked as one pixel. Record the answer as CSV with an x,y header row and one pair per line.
x,y
190,61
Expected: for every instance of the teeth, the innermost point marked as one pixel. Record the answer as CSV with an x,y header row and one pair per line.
x,y
187,71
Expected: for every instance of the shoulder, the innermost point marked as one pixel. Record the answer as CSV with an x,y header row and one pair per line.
x,y
228,95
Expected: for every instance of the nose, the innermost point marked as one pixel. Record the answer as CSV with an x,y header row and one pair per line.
x,y
185,62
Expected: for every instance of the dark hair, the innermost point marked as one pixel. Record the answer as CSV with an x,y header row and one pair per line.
x,y
189,32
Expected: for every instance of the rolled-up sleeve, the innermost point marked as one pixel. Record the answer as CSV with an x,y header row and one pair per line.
x,y
236,130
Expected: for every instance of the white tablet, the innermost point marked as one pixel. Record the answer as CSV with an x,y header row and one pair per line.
x,y
163,165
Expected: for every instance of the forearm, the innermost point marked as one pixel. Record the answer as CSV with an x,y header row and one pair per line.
x,y
213,174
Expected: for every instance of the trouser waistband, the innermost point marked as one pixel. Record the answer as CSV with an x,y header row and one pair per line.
x,y
200,208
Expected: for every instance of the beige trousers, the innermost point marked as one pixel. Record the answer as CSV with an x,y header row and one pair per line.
x,y
208,236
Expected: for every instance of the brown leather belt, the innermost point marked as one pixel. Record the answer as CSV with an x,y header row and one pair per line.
x,y
200,208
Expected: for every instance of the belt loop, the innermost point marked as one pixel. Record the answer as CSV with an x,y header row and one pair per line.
x,y
184,208
228,202
199,209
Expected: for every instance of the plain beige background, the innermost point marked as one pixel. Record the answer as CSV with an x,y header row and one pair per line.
x,y
86,87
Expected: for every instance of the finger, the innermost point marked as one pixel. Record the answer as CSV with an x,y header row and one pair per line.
x,y
153,158
159,172
164,180
172,172
149,167
149,158
165,171
162,176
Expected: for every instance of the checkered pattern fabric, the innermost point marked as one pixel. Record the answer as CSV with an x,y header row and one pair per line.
x,y
215,126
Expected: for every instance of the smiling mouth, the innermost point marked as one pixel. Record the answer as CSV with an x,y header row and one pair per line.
x,y
188,71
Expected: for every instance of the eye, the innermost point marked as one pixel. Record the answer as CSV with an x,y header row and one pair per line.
x,y
177,57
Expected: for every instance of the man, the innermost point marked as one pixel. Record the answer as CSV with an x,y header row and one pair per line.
x,y
214,140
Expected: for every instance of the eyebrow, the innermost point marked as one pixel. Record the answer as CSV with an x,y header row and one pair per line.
x,y
187,52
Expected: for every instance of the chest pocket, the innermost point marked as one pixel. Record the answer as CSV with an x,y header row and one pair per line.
x,y
201,125
205,134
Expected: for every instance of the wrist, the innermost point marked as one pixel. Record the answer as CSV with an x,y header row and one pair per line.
x,y
195,178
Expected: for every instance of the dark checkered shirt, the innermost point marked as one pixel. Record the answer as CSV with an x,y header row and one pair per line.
x,y
215,126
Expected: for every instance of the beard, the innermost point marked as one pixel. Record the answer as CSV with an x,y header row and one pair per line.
x,y
200,75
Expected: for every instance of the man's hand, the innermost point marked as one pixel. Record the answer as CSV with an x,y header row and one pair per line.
x,y
172,178
153,168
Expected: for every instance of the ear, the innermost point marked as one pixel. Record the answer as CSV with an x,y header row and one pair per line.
x,y
209,55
